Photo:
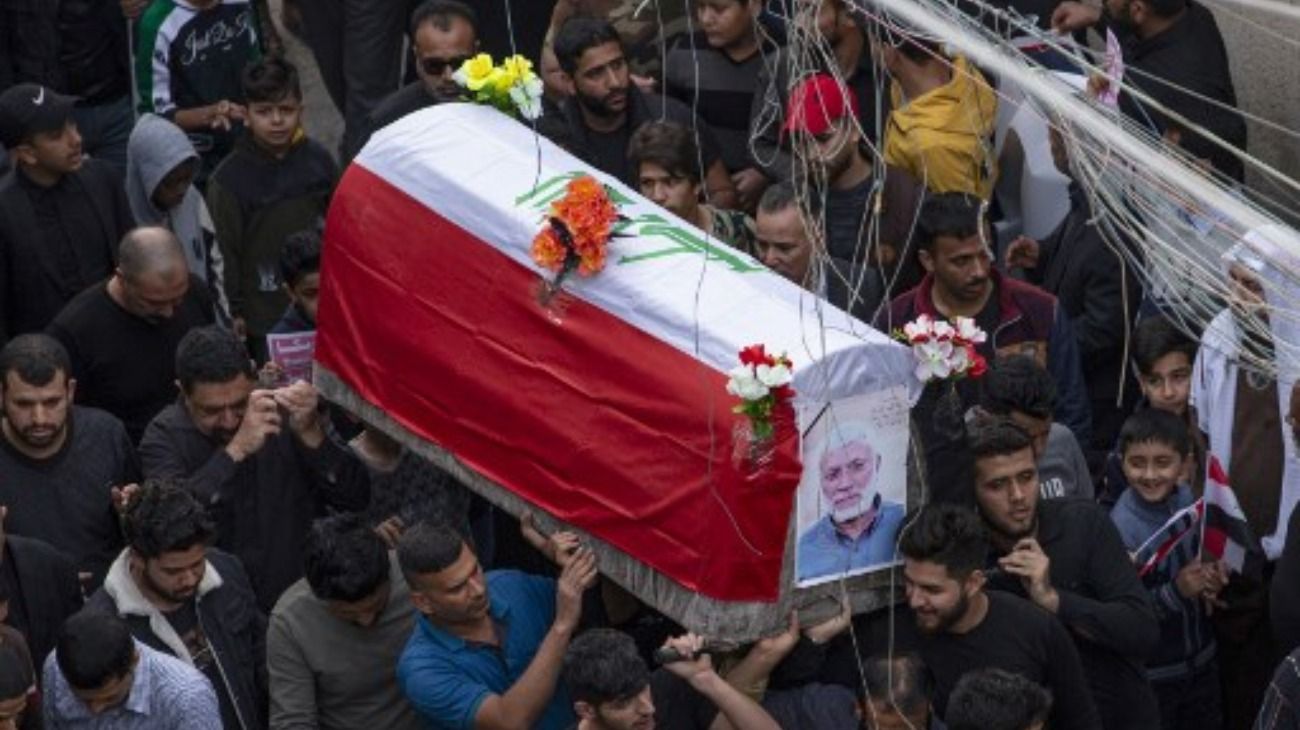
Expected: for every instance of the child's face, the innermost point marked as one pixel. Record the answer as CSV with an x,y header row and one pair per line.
x,y
1153,469
273,124
1169,382
306,294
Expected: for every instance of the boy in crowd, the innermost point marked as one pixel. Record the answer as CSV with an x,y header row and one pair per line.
x,y
1023,391
300,274
1162,356
665,161
275,183
189,54
1154,447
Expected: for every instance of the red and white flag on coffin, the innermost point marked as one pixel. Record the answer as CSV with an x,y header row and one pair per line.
x,y
1157,547
1226,535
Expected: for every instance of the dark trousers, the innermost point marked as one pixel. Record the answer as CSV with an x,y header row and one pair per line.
x,y
358,47
1247,652
1192,703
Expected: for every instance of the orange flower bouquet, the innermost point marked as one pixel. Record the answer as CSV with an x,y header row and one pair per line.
x,y
576,234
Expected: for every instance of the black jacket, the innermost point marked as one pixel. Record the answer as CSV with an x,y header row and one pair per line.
x,y
1102,604
31,40
48,590
228,617
1284,601
1097,289
264,504
855,289
32,288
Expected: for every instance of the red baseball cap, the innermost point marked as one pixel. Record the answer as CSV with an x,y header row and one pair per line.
x,y
816,103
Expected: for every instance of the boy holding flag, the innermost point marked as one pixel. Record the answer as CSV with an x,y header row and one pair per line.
x,y
1159,520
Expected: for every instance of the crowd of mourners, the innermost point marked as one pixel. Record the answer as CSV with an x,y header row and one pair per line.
x,y
192,540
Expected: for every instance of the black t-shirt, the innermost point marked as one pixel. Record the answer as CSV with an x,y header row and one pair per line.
x,y
124,364
92,50
17,618
677,705
1018,637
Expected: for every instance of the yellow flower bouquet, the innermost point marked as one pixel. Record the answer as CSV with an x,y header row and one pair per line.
x,y
510,86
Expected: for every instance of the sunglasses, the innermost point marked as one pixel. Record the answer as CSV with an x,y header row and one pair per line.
x,y
436,66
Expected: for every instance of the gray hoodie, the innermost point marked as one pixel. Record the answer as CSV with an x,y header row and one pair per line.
x,y
156,148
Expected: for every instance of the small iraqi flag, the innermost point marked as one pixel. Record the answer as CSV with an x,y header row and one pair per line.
x,y
1157,547
1225,533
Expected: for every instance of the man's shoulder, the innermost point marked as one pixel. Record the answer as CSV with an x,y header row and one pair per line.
x,y
84,311
171,676
1034,300
169,420
505,583
99,426
406,100
1008,609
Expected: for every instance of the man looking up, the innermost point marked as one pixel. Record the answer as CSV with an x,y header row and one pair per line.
x,y
181,598
860,528
963,627
453,670
61,215
612,689
444,34
607,108
122,334
259,460
784,246
1067,557
60,462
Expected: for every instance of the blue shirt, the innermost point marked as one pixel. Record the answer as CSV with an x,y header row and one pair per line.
x,y
447,678
824,551
166,694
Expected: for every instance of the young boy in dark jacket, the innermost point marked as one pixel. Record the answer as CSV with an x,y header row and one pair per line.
x,y
1154,449
275,182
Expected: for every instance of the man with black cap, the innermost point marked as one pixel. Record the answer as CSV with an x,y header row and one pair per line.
x,y
61,215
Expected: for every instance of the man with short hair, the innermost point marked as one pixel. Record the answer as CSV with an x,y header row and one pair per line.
x,y
898,693
859,529
607,108
121,334
964,627
182,598
1020,389
259,460
100,677
61,215
993,699
1018,319
444,34
868,221
335,636
452,670
60,462
1067,557
785,246
612,689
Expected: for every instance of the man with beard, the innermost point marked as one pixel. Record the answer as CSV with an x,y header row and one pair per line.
x,y
963,627
869,218
1018,318
121,334
61,215
444,34
1175,54
259,460
182,598
60,462
859,529
607,108
1067,557
1240,408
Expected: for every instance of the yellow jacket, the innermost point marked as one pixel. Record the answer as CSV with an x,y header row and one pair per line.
x,y
945,136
